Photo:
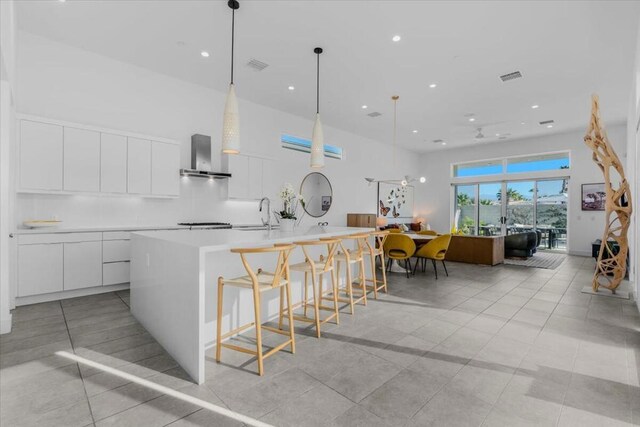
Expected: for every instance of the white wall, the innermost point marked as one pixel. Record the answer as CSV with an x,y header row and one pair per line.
x,y
434,199
7,110
633,171
61,82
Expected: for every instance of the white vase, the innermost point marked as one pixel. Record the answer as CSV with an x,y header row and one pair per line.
x,y
287,224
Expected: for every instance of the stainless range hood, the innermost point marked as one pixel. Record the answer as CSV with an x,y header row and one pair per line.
x,y
201,159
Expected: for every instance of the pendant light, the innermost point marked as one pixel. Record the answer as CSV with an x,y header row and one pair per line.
x,y
395,98
231,119
317,140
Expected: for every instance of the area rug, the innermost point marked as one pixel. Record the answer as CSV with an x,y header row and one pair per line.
x,y
548,260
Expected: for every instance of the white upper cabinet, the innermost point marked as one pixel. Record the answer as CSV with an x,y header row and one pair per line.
x,y
40,156
138,166
239,182
81,160
65,158
255,178
113,163
165,169
251,177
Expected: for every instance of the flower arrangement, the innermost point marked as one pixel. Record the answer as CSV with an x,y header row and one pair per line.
x,y
290,203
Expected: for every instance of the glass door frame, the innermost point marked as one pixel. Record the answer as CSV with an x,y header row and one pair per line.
x,y
504,200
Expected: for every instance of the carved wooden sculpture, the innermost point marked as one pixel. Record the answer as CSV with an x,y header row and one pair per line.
x,y
611,267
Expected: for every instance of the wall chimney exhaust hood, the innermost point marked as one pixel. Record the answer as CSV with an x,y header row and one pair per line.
x,y
201,159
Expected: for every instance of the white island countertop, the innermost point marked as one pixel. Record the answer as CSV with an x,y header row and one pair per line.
x,y
217,240
174,284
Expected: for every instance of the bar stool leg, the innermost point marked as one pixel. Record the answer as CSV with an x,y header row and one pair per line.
x,y
363,281
256,306
281,315
374,275
316,302
304,302
349,287
334,283
290,316
219,321
384,272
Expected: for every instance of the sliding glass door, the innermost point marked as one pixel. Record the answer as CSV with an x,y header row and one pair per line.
x,y
551,213
508,207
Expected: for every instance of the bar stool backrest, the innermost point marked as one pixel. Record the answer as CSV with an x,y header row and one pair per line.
x,y
379,237
282,264
360,239
332,246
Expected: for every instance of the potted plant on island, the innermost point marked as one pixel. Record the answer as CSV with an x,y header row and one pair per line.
x,y
288,216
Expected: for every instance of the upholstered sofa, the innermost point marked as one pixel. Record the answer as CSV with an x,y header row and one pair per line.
x,y
521,245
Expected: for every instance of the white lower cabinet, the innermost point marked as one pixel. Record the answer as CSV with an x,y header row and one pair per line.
x,y
82,265
40,269
114,273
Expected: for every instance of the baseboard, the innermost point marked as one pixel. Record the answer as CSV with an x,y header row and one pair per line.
x,y
580,253
55,296
5,324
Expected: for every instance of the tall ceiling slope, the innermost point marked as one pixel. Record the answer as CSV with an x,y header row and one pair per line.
x,y
565,50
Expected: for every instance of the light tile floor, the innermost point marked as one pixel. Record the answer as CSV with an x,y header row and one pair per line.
x,y
494,346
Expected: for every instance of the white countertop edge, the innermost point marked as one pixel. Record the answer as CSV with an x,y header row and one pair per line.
x,y
83,229
228,239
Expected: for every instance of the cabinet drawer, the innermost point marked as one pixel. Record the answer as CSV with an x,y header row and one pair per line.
x,y
116,235
116,250
82,265
39,269
115,273
30,239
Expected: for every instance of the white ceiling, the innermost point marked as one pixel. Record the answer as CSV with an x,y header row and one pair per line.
x,y
566,50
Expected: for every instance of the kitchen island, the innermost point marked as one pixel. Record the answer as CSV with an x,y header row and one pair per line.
x,y
174,282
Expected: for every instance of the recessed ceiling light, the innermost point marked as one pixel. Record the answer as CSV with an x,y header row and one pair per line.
x,y
415,131
472,119
396,38
522,123
291,87
423,179
364,107
535,106
497,134
62,1
204,54
432,85
549,126
444,143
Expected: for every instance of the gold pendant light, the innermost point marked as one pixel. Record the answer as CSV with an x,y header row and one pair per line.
x,y
231,119
317,139
395,98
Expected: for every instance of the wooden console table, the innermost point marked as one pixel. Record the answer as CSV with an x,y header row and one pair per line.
x,y
488,250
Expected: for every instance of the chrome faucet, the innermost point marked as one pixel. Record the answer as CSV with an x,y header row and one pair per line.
x,y
268,221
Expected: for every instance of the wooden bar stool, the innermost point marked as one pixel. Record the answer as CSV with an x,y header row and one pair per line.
x,y
348,257
377,250
259,282
317,270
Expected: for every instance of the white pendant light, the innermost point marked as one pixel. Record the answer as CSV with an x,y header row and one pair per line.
x,y
231,119
317,139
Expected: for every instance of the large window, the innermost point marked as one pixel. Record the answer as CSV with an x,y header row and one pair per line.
x,y
513,165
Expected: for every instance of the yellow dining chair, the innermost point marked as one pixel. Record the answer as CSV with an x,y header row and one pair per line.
x,y
394,230
399,247
427,233
435,250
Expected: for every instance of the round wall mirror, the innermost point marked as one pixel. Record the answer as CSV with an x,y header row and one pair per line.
x,y
317,193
